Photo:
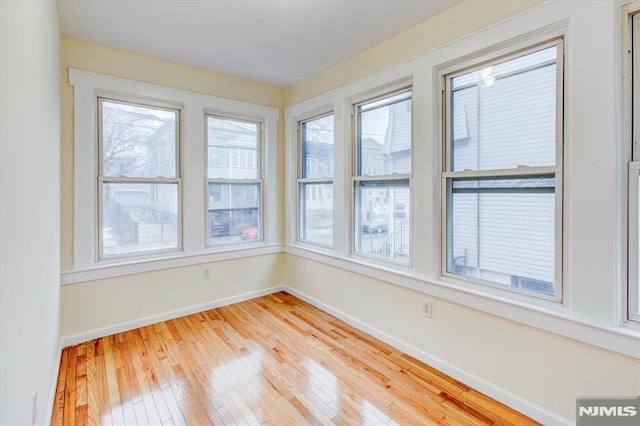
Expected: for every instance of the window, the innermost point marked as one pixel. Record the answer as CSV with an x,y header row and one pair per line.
x,y
381,177
633,307
315,181
503,172
234,187
139,178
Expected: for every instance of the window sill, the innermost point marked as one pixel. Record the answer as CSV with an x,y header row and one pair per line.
x,y
172,260
624,340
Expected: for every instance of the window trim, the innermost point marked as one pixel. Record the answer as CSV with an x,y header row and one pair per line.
x,y
357,176
88,86
259,180
630,309
302,181
447,175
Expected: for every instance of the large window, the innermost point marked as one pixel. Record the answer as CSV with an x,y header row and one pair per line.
x,y
315,181
382,202
633,292
139,178
503,172
234,180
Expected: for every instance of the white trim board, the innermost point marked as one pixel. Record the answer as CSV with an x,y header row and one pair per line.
x,y
502,395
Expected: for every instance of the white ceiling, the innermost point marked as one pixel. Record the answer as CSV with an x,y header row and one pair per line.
x,y
274,41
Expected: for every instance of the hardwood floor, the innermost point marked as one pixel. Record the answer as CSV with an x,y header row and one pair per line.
x,y
274,360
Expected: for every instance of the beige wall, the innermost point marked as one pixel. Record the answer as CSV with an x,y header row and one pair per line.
x,y
459,21
102,304
543,368
30,199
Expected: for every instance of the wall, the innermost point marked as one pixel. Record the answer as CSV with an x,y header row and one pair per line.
x,y
532,369
459,21
30,198
106,304
537,366
102,307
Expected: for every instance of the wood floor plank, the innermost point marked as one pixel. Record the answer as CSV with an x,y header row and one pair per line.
x,y
274,360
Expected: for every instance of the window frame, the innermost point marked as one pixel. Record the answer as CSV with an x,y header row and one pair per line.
x,y
448,175
302,181
631,163
259,180
357,176
85,263
103,179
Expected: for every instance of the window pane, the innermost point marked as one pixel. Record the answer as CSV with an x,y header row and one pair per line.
x,y
504,115
504,237
139,217
234,212
138,141
637,292
382,220
233,148
384,136
317,147
316,213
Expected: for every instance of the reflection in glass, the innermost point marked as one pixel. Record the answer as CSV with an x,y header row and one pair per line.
x,y
384,136
234,212
316,215
382,220
139,217
232,148
138,141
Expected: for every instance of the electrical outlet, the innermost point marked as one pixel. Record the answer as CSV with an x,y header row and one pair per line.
x,y
34,408
427,309
206,274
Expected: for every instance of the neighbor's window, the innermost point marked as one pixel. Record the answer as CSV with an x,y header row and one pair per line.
x,y
633,310
381,177
139,178
315,182
503,172
234,180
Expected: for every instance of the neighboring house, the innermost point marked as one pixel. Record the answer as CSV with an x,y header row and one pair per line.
x,y
481,247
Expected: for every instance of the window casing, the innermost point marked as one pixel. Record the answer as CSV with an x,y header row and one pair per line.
x,y
315,180
234,188
502,172
382,176
139,179
633,199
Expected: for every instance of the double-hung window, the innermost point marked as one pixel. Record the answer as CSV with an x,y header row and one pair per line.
x,y
315,180
633,289
138,179
234,190
502,174
381,179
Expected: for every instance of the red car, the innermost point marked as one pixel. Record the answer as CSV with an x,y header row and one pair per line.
x,y
249,234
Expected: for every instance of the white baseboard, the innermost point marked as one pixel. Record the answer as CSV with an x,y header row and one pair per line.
x,y
53,387
502,395
153,319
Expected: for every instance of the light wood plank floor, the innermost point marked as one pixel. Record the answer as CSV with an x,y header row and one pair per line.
x,y
274,360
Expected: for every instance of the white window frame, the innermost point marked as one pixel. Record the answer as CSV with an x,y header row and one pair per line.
x,y
88,87
359,177
258,180
631,159
302,181
448,175
102,178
